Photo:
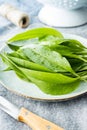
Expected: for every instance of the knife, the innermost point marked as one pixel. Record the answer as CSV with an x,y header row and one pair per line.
x,y
25,116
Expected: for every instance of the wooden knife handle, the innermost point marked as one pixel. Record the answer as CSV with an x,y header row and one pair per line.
x,y
36,122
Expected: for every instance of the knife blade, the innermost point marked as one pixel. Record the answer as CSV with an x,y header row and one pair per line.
x,y
34,121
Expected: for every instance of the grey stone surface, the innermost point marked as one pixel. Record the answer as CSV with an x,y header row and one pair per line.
x,y
72,114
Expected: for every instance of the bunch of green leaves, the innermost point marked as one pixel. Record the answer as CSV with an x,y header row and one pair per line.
x,y
44,57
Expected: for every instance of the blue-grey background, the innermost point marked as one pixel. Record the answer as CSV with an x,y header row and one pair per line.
x,y
72,114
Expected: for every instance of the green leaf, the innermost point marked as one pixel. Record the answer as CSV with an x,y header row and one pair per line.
x,y
46,76
75,44
66,47
51,83
76,64
63,50
18,55
52,60
13,66
54,42
39,75
36,33
55,89
49,77
7,69
72,53
14,47
27,64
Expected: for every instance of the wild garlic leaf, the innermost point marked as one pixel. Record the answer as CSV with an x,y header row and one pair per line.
x,y
71,45
75,44
50,83
18,55
44,76
69,52
76,64
36,33
17,44
13,66
55,88
13,47
67,47
83,67
49,77
27,64
7,69
63,50
77,57
54,42
44,56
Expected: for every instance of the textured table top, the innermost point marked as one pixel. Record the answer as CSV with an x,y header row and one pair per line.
x,y
72,114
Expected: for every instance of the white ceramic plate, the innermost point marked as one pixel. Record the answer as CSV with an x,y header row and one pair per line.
x,y
13,83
